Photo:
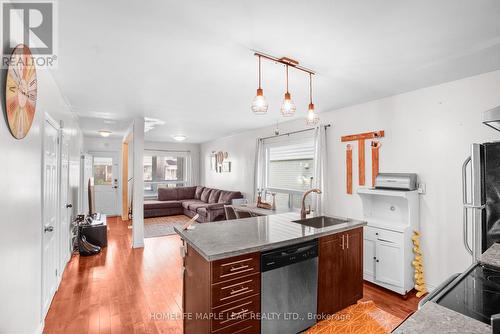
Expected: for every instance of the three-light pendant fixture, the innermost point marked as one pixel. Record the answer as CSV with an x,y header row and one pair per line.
x,y
288,107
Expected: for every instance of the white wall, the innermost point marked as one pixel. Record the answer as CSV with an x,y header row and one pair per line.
x,y
101,144
21,206
428,131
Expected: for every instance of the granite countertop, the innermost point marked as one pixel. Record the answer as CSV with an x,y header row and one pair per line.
x,y
228,238
492,256
435,319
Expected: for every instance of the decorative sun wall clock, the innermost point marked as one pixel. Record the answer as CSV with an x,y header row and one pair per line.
x,y
21,91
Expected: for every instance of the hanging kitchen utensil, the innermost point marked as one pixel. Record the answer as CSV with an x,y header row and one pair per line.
x,y
361,161
360,138
349,168
375,160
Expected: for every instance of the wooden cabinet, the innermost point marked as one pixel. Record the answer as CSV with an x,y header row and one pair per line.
x,y
222,296
340,272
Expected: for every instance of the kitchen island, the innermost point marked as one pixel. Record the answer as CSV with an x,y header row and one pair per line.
x,y
222,283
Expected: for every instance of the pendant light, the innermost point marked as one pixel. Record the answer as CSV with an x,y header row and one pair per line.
x,y
259,103
312,116
288,107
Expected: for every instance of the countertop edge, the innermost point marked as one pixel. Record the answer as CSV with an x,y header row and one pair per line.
x,y
433,318
353,225
492,256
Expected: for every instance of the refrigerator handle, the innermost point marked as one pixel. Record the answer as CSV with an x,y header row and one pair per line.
x,y
466,205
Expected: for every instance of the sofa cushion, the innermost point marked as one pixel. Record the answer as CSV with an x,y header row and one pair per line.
x,y
228,196
215,206
214,196
167,194
205,194
195,206
198,191
149,205
186,203
202,211
185,193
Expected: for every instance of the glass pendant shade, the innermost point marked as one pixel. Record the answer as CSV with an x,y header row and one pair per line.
x,y
312,116
259,103
288,107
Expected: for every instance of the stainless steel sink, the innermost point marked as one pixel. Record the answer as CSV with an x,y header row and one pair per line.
x,y
321,221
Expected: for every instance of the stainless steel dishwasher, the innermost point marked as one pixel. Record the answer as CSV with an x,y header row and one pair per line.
x,y
289,286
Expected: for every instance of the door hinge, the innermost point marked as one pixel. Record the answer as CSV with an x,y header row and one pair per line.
x,y
56,272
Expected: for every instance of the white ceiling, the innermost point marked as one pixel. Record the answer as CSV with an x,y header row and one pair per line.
x,y
191,64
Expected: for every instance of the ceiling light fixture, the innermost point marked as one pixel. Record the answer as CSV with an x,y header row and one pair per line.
x,y
259,103
179,137
312,116
104,133
288,107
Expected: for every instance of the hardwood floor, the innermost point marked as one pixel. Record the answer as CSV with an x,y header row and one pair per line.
x,y
125,290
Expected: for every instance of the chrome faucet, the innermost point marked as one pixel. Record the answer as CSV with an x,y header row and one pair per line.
x,y
303,212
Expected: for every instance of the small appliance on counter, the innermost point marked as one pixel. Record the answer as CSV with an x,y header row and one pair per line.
x,y
396,181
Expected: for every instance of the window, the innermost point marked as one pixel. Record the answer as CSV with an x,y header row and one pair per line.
x,y
103,171
164,171
289,171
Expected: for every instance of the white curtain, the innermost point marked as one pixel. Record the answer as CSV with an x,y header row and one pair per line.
x,y
259,171
320,169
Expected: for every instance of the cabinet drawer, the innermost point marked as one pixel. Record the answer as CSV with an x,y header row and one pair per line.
x,y
235,312
226,292
389,236
235,267
244,327
370,233
331,237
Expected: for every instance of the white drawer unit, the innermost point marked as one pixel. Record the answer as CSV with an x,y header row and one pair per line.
x,y
392,217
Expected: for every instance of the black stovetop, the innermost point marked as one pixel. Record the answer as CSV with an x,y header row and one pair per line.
x,y
477,295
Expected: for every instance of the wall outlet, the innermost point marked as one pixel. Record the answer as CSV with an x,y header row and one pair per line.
x,y
421,188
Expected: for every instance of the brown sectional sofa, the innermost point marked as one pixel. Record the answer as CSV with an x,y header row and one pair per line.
x,y
208,203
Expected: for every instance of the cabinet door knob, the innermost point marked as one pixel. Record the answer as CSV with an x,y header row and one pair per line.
x,y
377,261
374,258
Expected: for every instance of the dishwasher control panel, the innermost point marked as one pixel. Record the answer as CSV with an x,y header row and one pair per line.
x,y
284,256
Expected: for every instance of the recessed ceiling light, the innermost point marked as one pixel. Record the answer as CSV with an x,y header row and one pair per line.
x,y
104,133
179,137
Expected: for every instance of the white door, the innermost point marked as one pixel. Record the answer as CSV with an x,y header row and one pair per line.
x,y
65,206
106,183
389,263
50,261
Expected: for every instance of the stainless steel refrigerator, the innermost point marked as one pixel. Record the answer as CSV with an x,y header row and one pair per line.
x,y
481,198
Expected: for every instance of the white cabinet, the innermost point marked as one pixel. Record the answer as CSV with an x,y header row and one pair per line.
x,y
388,261
369,259
392,217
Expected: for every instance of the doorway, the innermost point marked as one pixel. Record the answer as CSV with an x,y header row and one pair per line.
x,y
106,182
65,206
51,223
